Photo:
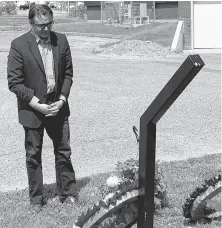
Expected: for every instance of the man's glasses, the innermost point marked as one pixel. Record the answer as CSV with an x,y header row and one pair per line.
x,y
42,26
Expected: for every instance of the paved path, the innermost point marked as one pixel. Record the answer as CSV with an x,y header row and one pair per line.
x,y
107,98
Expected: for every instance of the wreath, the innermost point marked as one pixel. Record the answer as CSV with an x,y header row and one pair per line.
x,y
200,204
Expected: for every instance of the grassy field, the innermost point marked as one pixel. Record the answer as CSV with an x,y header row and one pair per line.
x,y
161,33
182,177
16,20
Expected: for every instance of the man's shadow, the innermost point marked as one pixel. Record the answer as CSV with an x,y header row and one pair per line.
x,y
50,191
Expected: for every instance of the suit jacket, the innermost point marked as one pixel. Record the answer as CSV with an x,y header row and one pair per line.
x,y
26,75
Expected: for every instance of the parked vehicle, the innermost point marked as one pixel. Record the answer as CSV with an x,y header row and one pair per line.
x,y
24,6
52,5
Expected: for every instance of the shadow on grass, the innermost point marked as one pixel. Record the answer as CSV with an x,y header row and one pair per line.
x,y
50,190
190,223
182,177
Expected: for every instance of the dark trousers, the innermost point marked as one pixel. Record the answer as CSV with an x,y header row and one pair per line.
x,y
58,130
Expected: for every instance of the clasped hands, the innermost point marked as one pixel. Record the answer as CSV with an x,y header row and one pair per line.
x,y
49,110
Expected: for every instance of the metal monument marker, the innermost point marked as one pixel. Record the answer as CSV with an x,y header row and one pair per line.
x,y
131,197
147,142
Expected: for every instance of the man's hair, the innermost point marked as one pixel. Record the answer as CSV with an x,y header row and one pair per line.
x,y
38,10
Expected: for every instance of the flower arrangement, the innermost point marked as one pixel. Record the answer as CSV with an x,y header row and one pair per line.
x,y
119,205
128,171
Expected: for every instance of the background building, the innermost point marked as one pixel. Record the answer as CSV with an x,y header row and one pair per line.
x,y
202,23
202,19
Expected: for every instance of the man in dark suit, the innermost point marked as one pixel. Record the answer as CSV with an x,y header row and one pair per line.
x,y
40,73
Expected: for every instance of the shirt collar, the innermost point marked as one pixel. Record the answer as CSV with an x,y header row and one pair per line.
x,y
38,38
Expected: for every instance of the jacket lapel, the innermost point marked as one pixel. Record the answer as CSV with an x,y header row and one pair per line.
x,y
36,53
33,46
55,51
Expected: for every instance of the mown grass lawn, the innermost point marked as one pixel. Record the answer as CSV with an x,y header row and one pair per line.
x,y
17,20
182,177
161,33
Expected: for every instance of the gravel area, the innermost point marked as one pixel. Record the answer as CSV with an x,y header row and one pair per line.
x,y
137,48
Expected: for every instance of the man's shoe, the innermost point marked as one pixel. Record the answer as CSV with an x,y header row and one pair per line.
x,y
35,208
70,200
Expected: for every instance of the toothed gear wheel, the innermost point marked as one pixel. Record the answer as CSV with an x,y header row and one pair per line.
x,y
200,204
117,210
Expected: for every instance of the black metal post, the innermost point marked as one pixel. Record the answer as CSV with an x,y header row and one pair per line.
x,y
147,143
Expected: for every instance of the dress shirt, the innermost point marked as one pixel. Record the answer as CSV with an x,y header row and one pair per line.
x,y
45,50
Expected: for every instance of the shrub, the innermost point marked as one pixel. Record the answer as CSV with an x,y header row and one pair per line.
x,y
78,12
8,8
2,7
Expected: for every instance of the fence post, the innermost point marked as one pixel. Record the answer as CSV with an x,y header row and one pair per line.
x,y
101,12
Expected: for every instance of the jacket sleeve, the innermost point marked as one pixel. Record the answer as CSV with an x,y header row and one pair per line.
x,y
68,71
15,75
